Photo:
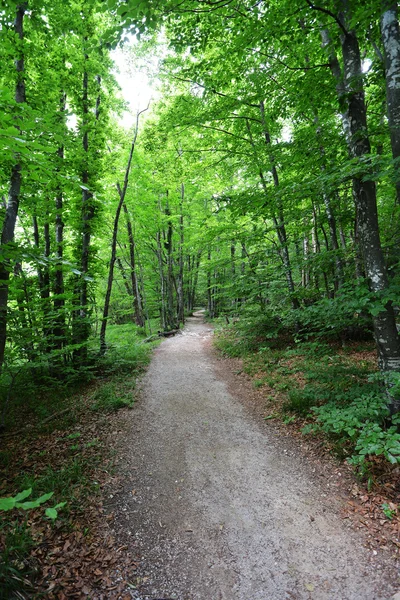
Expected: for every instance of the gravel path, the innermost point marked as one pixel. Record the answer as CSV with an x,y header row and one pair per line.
x,y
220,509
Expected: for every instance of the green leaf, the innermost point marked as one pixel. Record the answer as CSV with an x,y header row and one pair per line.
x,y
22,495
7,503
52,512
34,503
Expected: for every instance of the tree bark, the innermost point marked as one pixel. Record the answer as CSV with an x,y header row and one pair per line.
x,y
8,229
179,286
58,287
137,296
87,214
390,33
364,193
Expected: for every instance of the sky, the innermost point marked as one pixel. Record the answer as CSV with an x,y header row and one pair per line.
x,y
137,89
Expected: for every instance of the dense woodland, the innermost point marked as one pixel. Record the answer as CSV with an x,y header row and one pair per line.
x,y
262,183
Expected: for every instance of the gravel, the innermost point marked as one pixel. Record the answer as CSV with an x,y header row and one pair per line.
x,y
218,508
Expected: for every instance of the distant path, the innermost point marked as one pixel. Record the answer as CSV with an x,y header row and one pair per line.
x,y
217,508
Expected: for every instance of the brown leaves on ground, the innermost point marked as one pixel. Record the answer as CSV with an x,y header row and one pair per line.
x,y
75,557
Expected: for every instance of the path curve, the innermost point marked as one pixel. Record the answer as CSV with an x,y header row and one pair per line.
x,y
220,509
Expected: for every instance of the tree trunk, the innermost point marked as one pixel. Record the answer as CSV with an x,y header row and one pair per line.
x,y
277,218
181,305
106,309
163,312
137,296
364,193
7,234
128,289
82,324
210,295
59,302
168,244
122,194
390,32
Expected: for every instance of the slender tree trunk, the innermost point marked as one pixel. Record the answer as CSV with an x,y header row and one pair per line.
x,y
163,295
106,309
8,229
331,219
171,318
210,296
43,273
124,277
305,271
59,302
277,217
122,194
137,296
180,283
390,32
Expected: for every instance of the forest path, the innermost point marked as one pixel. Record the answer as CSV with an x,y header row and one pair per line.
x,y
220,509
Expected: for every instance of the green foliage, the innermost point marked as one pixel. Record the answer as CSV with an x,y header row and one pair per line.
x,y
362,423
17,541
388,511
346,316
374,440
110,398
17,501
300,401
249,334
63,481
126,353
14,572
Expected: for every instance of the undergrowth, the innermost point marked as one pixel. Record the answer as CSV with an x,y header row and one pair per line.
x,y
54,417
328,386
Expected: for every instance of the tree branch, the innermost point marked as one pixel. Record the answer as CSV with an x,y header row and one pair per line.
x,y
330,14
214,91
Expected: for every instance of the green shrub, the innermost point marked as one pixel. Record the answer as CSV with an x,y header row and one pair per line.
x,y
363,422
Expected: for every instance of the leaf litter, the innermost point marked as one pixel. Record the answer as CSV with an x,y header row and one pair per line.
x,y
76,556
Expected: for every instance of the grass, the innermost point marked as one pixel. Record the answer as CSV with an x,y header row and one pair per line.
x,y
112,396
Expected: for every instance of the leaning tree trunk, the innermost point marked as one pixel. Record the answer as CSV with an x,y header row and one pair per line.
x,y
390,32
7,234
124,277
122,194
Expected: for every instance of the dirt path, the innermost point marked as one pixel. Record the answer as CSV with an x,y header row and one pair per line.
x,y
219,509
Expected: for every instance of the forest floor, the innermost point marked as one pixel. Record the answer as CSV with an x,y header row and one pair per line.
x,y
192,494
211,502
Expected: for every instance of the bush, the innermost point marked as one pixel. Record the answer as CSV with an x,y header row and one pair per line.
x,y
363,422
